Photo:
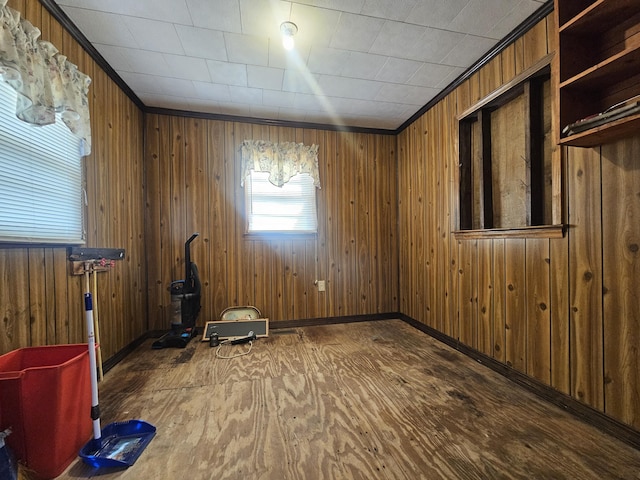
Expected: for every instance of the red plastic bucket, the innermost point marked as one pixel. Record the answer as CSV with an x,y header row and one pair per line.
x,y
45,397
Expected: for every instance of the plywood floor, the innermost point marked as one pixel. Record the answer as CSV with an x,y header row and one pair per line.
x,y
353,401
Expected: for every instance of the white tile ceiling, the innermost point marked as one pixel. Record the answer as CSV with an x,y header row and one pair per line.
x,y
359,63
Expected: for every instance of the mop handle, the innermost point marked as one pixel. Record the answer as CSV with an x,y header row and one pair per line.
x,y
95,408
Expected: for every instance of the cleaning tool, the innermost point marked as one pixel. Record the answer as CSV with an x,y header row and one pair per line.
x,y
119,444
185,305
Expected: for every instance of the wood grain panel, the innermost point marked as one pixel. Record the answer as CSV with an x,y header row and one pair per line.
x,y
37,297
153,214
585,276
538,336
535,44
332,230
490,77
197,180
515,311
432,164
508,63
364,169
274,274
560,334
485,297
468,282
499,324
621,269
403,224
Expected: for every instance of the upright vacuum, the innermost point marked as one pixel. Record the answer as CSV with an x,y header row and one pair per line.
x,y
185,305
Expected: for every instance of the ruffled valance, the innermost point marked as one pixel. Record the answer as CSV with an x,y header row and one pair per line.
x,y
281,160
46,82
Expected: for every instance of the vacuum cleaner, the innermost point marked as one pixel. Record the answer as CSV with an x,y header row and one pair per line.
x,y
185,305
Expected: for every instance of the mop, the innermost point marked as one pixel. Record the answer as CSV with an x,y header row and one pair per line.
x,y
119,444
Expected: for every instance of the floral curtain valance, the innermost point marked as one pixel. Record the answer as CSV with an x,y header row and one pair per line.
x,y
46,82
281,160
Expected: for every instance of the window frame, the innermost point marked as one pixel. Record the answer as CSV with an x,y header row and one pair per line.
x,y
304,234
526,83
68,174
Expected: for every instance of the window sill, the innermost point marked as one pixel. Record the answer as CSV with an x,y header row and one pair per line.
x,y
539,231
280,236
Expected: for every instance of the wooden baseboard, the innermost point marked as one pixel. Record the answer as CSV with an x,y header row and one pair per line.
x,y
120,355
580,410
312,322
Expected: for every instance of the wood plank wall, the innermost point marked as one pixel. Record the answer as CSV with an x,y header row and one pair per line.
x,y
193,185
40,303
564,311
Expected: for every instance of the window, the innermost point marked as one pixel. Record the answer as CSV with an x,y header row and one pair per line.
x,y
41,197
287,209
507,160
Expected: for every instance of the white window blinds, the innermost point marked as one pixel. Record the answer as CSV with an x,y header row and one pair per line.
x,y
41,196
287,209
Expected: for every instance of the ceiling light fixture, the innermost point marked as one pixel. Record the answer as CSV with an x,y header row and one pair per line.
x,y
288,30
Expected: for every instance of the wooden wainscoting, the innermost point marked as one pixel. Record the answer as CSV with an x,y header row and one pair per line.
x,y
40,302
193,185
564,311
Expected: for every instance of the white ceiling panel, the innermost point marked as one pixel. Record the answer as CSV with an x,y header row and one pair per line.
x,y
212,91
398,70
102,27
223,15
201,42
228,73
265,77
154,35
432,74
356,32
436,13
359,63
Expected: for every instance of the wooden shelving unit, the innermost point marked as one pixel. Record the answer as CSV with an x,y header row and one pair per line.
x,y
597,66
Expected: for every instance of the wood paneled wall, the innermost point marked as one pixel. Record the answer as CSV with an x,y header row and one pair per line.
x,y
564,311
40,303
193,174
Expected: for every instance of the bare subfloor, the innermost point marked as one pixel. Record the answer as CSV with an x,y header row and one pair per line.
x,y
353,401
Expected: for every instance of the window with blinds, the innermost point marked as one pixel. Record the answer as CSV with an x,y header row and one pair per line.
x,y
41,195
287,209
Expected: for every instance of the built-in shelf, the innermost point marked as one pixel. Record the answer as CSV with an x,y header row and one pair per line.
x,y
597,66
539,231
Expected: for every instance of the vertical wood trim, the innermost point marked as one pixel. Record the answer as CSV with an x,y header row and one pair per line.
x,y
621,269
468,293
485,297
538,337
585,276
153,221
515,304
332,207
499,300
560,333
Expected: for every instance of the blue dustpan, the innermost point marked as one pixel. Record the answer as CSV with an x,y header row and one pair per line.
x,y
119,444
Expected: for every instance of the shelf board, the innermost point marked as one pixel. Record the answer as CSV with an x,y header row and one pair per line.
x,y
608,71
600,16
539,231
604,133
